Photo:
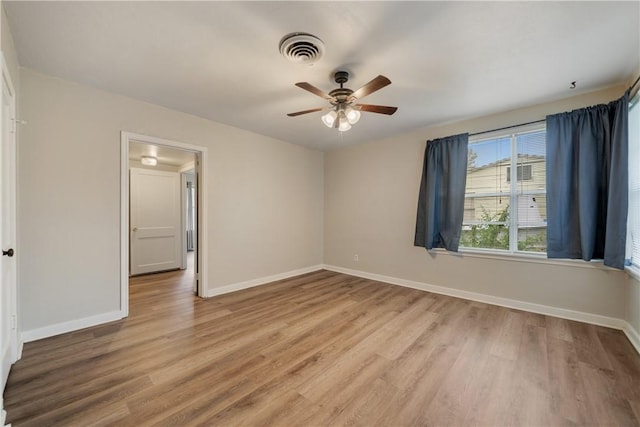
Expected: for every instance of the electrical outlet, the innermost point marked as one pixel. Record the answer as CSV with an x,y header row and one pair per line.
x,y
356,258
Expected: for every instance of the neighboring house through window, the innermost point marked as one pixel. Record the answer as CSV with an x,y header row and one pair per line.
x,y
505,196
523,172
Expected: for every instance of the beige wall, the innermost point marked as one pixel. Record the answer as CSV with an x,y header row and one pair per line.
x,y
9,51
371,194
265,199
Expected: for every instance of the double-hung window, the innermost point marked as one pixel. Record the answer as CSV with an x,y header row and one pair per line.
x,y
633,224
505,196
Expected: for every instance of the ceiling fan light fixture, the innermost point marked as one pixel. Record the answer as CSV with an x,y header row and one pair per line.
x,y
343,122
352,115
344,126
329,119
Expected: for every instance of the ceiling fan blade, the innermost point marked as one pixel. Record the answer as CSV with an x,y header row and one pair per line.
x,y
314,90
299,113
381,109
374,85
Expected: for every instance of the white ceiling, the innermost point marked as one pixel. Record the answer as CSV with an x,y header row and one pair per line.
x,y
220,60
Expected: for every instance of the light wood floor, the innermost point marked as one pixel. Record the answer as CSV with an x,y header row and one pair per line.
x,y
325,349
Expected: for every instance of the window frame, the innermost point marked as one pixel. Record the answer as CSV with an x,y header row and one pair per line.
x,y
513,195
634,268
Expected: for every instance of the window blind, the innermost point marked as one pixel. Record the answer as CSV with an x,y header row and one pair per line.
x,y
633,227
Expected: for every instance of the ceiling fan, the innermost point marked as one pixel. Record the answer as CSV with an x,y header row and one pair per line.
x,y
344,111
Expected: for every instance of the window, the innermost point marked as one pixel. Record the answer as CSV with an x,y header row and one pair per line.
x,y
523,171
633,227
505,197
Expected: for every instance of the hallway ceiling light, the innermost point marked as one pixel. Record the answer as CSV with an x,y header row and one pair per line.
x,y
149,160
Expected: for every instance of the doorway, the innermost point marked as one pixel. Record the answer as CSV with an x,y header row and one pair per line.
x,y
163,210
157,208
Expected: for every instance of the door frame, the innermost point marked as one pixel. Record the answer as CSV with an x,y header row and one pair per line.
x,y
202,173
15,349
183,214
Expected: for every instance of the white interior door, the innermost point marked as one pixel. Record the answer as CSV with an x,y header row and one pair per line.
x,y
156,233
8,293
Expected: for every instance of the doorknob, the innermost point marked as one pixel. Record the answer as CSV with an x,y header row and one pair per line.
x,y
135,228
8,253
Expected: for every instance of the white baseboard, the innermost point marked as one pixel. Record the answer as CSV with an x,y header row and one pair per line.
x,y
611,322
595,319
633,335
3,414
261,281
70,326
20,347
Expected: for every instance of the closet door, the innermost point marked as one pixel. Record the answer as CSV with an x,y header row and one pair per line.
x,y
155,224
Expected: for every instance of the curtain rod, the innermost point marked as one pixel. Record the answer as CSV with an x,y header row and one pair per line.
x,y
535,121
507,127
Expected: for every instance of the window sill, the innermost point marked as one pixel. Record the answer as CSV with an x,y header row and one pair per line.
x,y
524,257
633,272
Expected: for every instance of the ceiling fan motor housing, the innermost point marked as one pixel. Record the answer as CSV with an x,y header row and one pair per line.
x,y
340,94
341,77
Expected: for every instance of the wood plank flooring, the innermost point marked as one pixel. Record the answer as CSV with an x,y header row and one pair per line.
x,y
324,349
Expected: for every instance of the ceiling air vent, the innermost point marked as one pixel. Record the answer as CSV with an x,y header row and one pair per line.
x,y
302,48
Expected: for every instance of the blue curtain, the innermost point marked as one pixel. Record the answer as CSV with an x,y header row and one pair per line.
x,y
441,199
587,183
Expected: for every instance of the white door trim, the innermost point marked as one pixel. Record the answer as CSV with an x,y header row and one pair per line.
x,y
125,138
183,220
14,346
14,213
